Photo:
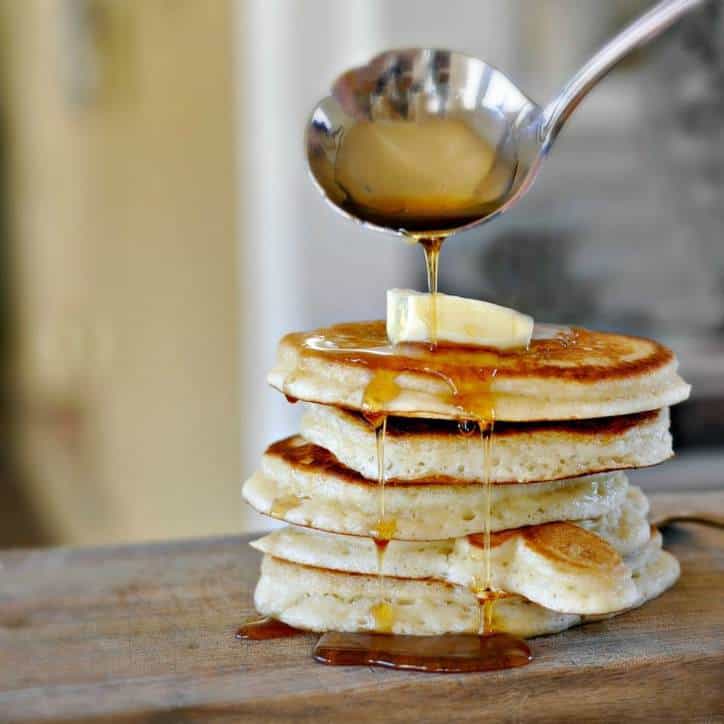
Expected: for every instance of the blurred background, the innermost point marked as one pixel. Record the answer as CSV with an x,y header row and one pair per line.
x,y
158,233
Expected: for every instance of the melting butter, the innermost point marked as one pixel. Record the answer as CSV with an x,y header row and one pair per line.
x,y
416,317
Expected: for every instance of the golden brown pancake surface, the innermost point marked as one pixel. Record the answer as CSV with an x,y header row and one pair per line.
x,y
565,373
563,352
407,427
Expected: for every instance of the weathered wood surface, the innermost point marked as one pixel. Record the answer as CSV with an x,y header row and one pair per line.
x,y
146,633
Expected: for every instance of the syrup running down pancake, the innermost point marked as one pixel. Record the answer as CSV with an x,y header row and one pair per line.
x,y
566,373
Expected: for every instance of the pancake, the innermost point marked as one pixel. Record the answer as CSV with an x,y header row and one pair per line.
x,y
418,449
566,373
304,484
318,599
561,566
625,529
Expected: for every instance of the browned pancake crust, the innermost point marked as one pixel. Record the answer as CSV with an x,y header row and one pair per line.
x,y
576,354
406,427
561,541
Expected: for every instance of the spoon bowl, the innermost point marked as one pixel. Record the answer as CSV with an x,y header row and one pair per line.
x,y
425,143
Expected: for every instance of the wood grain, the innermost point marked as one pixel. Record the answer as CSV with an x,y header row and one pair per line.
x,y
146,633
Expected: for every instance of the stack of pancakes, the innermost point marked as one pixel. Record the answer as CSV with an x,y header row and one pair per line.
x,y
568,539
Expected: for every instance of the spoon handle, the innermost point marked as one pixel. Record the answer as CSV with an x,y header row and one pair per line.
x,y
710,519
639,32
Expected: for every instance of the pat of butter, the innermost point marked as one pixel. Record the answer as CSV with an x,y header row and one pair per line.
x,y
470,322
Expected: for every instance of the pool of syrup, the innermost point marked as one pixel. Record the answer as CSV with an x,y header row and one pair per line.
x,y
450,653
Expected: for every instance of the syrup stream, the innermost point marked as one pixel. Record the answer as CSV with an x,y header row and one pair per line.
x,y
431,247
486,438
382,612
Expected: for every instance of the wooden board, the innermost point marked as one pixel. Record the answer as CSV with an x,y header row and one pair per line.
x,y
146,633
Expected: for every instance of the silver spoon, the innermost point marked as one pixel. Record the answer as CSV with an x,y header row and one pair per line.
x,y
420,84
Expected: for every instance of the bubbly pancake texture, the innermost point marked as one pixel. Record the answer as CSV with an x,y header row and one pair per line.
x,y
418,449
304,484
566,373
318,599
625,527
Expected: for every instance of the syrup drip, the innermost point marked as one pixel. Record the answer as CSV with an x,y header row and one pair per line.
x,y
381,548
380,391
282,505
478,399
384,529
436,654
486,439
508,648
262,629
467,428
383,616
486,607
